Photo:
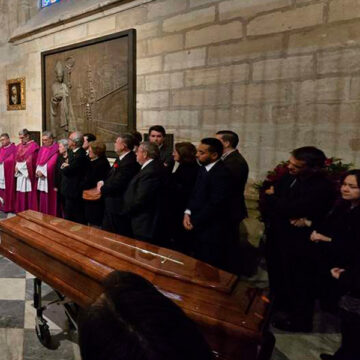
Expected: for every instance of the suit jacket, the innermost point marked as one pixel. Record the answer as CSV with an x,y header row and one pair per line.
x,y
166,157
239,171
73,175
143,200
308,197
181,185
117,182
58,172
208,202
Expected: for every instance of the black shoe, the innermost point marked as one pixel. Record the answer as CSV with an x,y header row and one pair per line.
x,y
292,326
327,357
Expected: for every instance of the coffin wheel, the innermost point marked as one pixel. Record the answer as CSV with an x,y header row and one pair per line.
x,y
43,334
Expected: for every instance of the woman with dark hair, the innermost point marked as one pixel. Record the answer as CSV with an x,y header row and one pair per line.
x,y
181,184
339,238
97,171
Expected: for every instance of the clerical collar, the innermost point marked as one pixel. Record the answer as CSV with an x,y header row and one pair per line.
x,y
123,155
208,167
146,163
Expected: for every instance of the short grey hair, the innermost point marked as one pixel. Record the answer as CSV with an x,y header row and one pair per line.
x,y
78,138
65,143
24,132
48,134
151,149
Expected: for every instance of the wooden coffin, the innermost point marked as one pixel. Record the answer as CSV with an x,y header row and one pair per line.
x,y
74,259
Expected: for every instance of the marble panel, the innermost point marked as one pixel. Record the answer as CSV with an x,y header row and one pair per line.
x,y
10,270
11,344
12,314
63,347
299,346
12,289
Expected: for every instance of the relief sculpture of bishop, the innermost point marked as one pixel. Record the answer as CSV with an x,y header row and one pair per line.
x,y
90,89
61,110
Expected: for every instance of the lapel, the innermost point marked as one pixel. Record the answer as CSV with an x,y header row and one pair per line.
x,y
148,168
70,155
130,157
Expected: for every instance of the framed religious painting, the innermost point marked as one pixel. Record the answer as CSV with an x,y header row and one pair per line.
x,y
91,87
15,91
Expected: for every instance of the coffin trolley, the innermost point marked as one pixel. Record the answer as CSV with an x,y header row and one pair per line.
x,y
73,259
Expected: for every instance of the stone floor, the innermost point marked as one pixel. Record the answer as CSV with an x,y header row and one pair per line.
x,y
325,337
18,339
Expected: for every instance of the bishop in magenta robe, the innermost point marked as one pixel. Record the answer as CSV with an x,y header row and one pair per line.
x,y
26,156
45,171
7,179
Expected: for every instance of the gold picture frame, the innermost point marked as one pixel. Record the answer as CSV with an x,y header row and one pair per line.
x,y
15,90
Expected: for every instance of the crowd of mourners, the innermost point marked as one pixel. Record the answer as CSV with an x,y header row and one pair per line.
x,y
188,199
192,200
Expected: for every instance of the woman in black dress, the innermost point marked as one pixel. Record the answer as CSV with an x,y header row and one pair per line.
x,y
181,185
341,241
62,159
98,170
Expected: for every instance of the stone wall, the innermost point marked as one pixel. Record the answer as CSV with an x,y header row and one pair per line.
x,y
281,73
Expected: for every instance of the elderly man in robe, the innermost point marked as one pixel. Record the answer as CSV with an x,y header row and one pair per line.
x,y
26,156
7,168
45,172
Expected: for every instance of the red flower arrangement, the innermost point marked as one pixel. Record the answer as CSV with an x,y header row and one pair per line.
x,y
334,168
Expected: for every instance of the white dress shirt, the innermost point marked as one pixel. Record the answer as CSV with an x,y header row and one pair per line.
x,y
146,163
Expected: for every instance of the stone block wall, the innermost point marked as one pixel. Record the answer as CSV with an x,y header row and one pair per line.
x,y
281,73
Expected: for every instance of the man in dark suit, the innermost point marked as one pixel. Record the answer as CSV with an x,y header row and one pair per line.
x,y
239,171
206,214
113,188
157,135
298,201
72,176
143,197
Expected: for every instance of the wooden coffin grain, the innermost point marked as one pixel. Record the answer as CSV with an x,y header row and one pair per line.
x,y
74,259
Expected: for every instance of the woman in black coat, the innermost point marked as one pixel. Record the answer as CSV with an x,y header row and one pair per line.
x,y
98,170
181,184
62,159
342,238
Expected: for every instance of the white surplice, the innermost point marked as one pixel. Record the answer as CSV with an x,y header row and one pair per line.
x,y
23,183
42,182
2,176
